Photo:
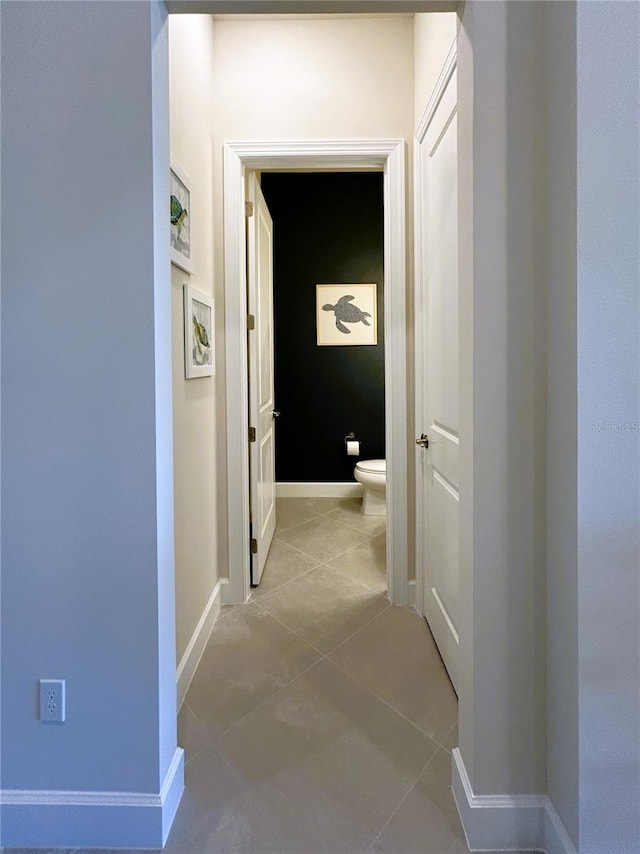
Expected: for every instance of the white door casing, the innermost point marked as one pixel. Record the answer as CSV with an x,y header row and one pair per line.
x,y
349,155
261,376
437,377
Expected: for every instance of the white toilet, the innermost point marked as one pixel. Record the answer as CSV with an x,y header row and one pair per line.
x,y
372,474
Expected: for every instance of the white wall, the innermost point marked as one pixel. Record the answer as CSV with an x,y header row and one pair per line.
x,y
433,35
87,561
196,428
502,697
561,436
308,79
608,179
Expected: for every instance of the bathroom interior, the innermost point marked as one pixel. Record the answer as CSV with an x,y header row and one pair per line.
x,y
329,392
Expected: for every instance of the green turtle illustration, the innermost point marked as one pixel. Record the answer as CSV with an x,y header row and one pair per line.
x,y
178,212
201,336
348,313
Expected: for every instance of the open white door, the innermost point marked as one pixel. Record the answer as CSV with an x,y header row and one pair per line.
x,y
261,393
437,451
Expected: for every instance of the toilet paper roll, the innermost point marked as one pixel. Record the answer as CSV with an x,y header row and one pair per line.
x,y
353,448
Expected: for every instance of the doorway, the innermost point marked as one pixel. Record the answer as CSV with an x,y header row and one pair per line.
x,y
315,370
387,156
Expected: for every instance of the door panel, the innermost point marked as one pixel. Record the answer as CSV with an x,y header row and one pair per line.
x,y
438,331
261,391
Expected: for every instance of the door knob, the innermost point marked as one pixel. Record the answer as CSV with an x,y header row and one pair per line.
x,y
275,414
423,441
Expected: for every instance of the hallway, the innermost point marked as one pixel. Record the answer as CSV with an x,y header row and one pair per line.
x,y
320,718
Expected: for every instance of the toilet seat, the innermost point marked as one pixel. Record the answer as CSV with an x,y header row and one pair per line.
x,y
372,466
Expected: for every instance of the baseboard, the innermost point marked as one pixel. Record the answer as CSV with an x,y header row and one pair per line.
x,y
52,819
507,822
193,653
318,490
557,839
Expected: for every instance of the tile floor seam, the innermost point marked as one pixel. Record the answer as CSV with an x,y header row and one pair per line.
x,y
290,527
346,551
268,699
209,744
448,749
307,521
289,629
281,687
255,599
348,578
367,537
353,578
386,702
333,557
412,786
295,548
355,527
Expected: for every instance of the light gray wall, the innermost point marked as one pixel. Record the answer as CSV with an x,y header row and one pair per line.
x,y
87,526
608,143
199,481
560,434
502,395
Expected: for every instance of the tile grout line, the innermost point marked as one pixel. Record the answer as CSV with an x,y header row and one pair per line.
x,y
340,554
360,530
384,593
342,577
218,738
386,702
323,657
289,629
448,734
410,789
255,599
367,538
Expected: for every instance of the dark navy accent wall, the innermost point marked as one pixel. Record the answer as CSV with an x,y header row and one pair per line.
x,y
328,229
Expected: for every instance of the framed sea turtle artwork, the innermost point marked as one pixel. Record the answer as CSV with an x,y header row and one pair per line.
x,y
180,208
346,314
198,334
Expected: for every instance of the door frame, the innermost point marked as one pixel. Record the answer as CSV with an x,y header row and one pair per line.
x,y
448,69
388,156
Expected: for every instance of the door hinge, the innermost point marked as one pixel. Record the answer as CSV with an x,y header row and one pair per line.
x,y
254,546
251,322
252,434
248,209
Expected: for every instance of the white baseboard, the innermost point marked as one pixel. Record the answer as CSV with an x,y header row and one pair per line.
x,y
57,819
507,822
319,490
193,653
557,839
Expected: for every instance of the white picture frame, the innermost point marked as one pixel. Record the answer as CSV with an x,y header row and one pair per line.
x,y
199,326
346,315
180,218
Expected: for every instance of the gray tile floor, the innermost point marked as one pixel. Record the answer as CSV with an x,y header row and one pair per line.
x,y
320,718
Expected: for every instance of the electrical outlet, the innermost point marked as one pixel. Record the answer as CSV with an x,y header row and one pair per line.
x,y
52,700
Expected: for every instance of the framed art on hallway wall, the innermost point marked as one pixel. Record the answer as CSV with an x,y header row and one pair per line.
x,y
180,208
198,333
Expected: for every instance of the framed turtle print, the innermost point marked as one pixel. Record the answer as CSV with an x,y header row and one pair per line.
x,y
346,314
198,333
180,206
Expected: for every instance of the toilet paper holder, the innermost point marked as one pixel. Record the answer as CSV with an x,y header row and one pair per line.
x,y
352,445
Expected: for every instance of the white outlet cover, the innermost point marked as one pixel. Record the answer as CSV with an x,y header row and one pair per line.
x,y
52,700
